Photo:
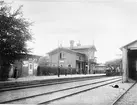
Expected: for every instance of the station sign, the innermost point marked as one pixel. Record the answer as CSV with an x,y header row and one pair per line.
x,y
61,61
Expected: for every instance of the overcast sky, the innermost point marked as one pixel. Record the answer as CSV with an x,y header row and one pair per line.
x,y
110,23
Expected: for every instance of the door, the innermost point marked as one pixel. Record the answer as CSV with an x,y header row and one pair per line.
x,y
30,69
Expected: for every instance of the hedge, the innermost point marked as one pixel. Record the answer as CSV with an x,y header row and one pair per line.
x,y
47,70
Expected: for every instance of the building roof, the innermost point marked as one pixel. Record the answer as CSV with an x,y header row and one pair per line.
x,y
129,44
74,49
28,55
66,49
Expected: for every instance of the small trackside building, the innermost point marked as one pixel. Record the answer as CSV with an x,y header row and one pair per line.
x,y
26,66
129,61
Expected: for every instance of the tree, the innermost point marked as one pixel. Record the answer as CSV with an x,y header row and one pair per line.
x,y
113,64
43,61
14,33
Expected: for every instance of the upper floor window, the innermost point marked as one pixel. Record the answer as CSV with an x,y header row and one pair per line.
x,y
61,55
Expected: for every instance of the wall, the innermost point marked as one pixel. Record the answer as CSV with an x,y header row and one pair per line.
x,y
54,59
69,58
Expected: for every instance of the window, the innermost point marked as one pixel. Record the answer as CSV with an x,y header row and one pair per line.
x,y
30,66
61,55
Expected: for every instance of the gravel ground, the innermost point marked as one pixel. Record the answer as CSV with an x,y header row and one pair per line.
x,y
130,98
101,96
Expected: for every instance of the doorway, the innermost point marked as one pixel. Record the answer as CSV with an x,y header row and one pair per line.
x,y
132,64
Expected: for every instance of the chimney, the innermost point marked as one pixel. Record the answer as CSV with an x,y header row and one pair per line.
x,y
78,44
71,44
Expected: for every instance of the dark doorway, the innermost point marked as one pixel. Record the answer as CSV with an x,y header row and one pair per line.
x,y
132,64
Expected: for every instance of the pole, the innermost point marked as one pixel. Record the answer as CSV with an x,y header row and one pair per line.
x,y
125,65
58,60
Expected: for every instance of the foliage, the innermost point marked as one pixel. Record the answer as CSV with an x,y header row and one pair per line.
x,y
14,33
43,61
114,63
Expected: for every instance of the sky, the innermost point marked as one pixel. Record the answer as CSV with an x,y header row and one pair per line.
x,y
109,24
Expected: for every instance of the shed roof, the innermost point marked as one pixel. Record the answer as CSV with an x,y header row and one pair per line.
x,y
132,45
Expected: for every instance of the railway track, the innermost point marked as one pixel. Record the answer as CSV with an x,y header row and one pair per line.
x,y
28,84
58,94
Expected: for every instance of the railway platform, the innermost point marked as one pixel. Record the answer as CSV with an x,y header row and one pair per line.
x,y
30,79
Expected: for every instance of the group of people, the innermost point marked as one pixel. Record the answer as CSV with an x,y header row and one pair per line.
x,y
66,71
15,75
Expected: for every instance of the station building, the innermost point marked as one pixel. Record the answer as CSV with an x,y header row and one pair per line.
x,y
129,61
82,58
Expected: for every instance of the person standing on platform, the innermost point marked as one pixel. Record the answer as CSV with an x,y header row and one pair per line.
x,y
66,71
58,71
70,69
15,73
